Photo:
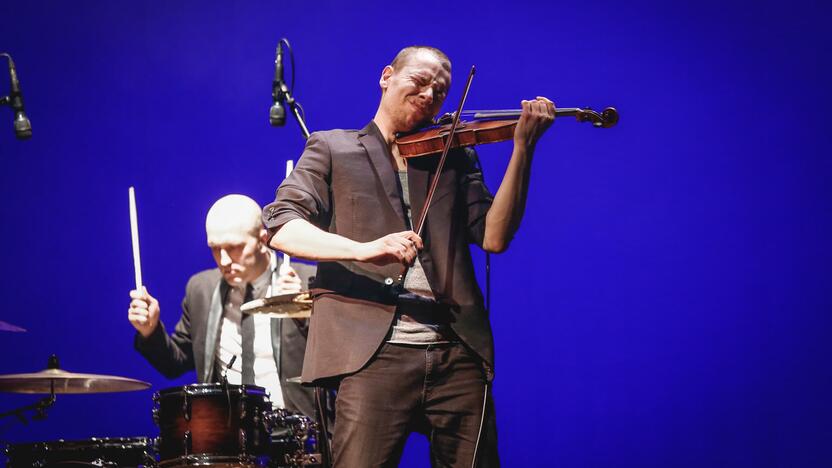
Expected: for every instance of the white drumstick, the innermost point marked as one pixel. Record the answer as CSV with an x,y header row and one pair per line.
x,y
289,166
134,231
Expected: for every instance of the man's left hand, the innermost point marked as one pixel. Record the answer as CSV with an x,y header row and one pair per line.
x,y
537,116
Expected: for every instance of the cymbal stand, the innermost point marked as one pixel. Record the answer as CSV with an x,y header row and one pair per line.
x,y
40,406
321,414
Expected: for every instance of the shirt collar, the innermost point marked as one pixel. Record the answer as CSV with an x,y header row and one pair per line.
x,y
264,280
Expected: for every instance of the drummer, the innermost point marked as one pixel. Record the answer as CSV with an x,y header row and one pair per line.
x,y
212,330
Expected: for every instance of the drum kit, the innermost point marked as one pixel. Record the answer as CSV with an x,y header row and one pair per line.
x,y
208,424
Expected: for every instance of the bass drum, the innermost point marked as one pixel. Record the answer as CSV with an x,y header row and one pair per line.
x,y
99,452
212,424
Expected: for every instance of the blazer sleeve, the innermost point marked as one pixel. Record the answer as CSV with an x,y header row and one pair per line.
x,y
171,355
476,196
306,193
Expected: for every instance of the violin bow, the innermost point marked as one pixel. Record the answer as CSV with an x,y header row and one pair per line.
x,y
447,146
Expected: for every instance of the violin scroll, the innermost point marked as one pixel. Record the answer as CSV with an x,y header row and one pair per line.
x,y
606,119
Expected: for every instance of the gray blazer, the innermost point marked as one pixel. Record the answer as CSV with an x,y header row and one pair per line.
x,y
193,344
345,183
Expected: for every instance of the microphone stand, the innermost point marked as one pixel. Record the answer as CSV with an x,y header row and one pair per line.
x,y
283,94
321,414
6,100
224,384
22,126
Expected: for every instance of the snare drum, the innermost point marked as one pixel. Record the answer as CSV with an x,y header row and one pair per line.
x,y
100,452
212,424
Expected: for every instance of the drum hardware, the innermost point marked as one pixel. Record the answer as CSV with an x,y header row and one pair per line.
x,y
186,443
186,407
322,443
39,408
298,442
321,414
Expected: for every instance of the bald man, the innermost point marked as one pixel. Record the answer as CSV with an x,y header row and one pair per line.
x,y
212,329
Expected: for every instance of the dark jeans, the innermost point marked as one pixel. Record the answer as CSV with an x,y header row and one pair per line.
x,y
438,390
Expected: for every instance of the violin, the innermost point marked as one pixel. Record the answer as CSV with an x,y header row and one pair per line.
x,y
486,126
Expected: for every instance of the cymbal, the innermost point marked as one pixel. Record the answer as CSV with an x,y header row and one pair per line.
x,y
67,382
6,326
293,305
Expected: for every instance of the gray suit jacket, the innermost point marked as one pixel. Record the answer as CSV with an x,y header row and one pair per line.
x,y
345,184
193,344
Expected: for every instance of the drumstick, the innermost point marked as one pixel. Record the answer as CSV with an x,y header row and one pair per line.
x,y
289,166
134,231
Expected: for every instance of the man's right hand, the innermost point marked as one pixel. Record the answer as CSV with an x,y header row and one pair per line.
x,y
143,312
399,247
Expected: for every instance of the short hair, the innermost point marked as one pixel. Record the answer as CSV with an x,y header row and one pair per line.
x,y
405,54
235,212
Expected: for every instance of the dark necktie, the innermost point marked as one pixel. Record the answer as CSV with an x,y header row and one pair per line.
x,y
247,329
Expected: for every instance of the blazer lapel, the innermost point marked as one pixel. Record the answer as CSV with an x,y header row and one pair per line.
x,y
212,327
381,160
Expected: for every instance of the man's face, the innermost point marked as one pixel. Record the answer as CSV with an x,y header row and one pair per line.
x,y
413,94
238,255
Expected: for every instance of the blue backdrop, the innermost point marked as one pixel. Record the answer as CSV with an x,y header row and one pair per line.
x,y
666,302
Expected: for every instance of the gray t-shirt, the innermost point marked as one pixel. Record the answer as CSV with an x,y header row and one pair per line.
x,y
423,330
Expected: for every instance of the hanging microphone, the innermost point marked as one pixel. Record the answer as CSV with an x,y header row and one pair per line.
x,y
282,95
22,126
277,113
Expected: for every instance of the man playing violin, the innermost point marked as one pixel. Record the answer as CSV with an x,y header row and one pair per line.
x,y
414,355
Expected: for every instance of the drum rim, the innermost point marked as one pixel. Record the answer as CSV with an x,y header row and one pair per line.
x,y
98,442
198,459
211,388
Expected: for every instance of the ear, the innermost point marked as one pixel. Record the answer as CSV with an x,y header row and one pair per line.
x,y
263,235
385,77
